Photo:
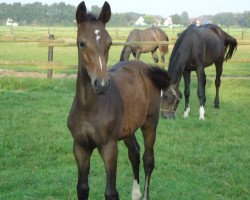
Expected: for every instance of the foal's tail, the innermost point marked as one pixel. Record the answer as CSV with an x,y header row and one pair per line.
x,y
230,46
159,77
126,51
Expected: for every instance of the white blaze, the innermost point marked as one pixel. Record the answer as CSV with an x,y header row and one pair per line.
x,y
97,39
100,61
97,35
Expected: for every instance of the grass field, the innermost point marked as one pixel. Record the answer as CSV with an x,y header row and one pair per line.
x,y
194,159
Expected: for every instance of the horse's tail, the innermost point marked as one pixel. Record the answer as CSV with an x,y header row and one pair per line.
x,y
126,51
159,77
230,46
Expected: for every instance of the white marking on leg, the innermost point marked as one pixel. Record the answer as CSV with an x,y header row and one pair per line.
x,y
202,113
145,196
186,113
136,192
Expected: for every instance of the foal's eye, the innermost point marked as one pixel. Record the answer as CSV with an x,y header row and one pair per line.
x,y
82,44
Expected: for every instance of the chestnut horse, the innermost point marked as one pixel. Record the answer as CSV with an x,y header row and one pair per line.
x,y
195,49
110,105
150,34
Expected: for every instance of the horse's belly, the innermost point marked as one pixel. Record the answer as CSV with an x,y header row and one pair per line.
x,y
133,117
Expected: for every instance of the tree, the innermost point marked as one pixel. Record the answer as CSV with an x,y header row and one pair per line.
x,y
96,10
185,18
149,19
247,18
176,19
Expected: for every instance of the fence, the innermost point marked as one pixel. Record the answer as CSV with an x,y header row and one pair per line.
x,y
52,43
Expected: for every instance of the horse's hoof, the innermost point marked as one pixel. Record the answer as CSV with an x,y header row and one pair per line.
x,y
202,118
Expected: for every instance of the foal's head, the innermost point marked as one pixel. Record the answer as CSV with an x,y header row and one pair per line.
x,y
93,43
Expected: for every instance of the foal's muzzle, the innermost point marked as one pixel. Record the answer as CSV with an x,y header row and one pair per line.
x,y
101,85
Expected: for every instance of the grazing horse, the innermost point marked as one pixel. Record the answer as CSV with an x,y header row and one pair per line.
x,y
149,34
110,105
195,49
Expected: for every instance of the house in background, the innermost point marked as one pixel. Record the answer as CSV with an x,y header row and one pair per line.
x,y
168,22
140,22
10,22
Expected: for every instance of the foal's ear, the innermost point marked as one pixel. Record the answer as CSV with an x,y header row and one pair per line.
x,y
81,13
105,13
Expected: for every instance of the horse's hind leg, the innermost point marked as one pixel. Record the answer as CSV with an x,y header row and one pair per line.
x,y
82,157
219,68
134,157
186,76
154,55
109,154
163,50
148,131
201,90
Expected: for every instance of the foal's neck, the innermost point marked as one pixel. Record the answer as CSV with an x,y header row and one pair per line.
x,y
84,90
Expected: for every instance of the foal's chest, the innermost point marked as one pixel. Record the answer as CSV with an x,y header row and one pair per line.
x,y
91,129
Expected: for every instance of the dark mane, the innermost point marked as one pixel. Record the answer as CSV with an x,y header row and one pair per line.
x,y
182,50
91,17
174,54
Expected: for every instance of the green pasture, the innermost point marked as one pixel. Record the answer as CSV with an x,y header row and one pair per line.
x,y
194,159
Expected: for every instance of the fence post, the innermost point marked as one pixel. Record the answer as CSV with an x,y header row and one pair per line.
x,y
50,56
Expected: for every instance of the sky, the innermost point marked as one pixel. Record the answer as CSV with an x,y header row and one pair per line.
x,y
164,8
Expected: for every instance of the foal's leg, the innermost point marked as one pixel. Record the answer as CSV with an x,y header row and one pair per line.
x,y
109,154
186,76
82,159
154,55
134,157
219,68
149,131
201,90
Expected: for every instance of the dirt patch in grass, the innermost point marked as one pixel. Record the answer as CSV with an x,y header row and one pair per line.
x,y
13,73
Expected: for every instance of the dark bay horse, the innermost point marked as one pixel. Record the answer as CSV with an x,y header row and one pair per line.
x,y
195,49
150,34
110,105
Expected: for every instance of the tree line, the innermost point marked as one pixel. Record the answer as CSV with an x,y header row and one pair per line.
x,y
64,15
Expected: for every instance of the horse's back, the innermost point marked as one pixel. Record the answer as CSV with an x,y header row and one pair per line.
x,y
136,91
